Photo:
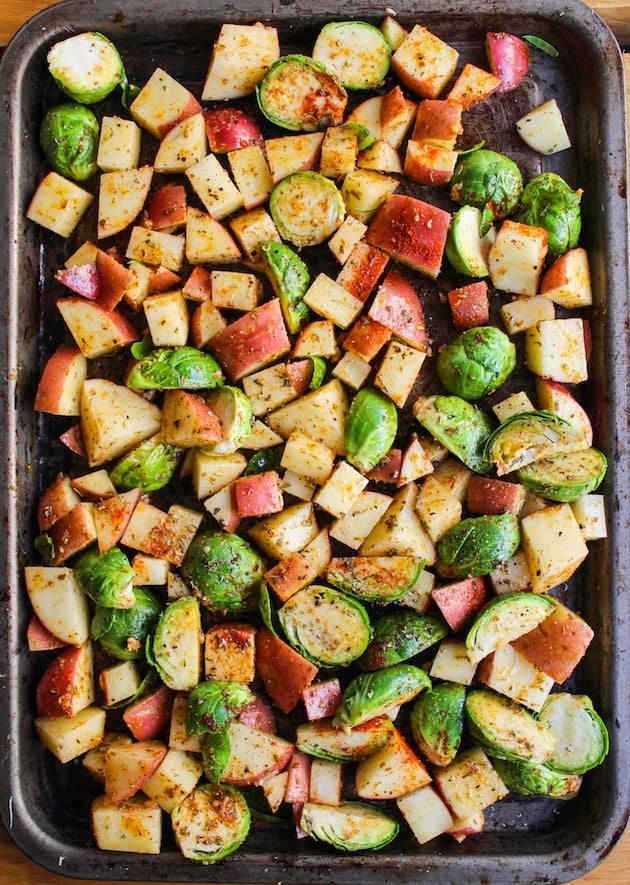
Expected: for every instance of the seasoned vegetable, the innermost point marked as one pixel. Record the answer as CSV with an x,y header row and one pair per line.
x,y
379,579
437,721
290,279
506,730
215,754
326,626
536,779
478,544
307,208
489,181
212,704
547,201
298,93
370,428
476,362
69,138
324,740
399,636
224,571
565,477
234,410
176,650
350,826
211,822
149,466
505,618
579,733
87,67
373,694
123,632
466,248
355,51
531,436
106,577
167,368
461,428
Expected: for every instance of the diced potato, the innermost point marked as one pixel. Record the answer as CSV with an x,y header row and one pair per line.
x,y
399,370
320,414
451,662
352,370
512,575
121,196
454,476
167,318
133,825
341,489
119,682
251,174
525,311
316,339
68,737
58,204
358,522
287,532
438,508
415,463
556,349
509,673
513,404
424,63
269,389
470,783
400,531
156,248
183,146
119,144
345,238
234,290
251,228
308,457
174,779
207,240
419,597
241,56
299,486
326,782
426,813
590,513
214,187
393,771
213,472
229,652
293,153
179,739
149,571
329,299
553,545
516,259
339,151
144,519
543,128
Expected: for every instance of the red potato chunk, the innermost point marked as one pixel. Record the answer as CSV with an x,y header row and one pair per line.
x,y
366,338
147,717
397,307
198,286
494,496
469,305
72,533
56,501
458,602
284,672
255,340
321,699
299,780
67,684
508,57
39,638
229,129
166,208
388,470
557,644
114,277
438,122
259,494
290,575
259,714
82,279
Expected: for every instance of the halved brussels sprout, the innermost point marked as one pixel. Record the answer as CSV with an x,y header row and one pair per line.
x,y
212,704
489,181
506,730
306,208
175,650
69,137
536,779
224,571
326,626
460,426
477,545
215,754
324,740
349,826
211,822
379,579
466,249
290,278
107,578
370,429
234,410
123,632
547,201
531,436
437,721
504,618
355,51
166,368
399,636
299,94
476,362
375,694
580,736
565,477
149,466
87,67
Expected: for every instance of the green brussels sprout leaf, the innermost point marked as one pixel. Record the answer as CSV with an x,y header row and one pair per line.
x,y
165,368
477,362
149,466
215,703
106,577
123,632
370,429
69,137
373,694
477,545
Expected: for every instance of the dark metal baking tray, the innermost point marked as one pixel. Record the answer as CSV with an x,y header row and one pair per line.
x,y
45,805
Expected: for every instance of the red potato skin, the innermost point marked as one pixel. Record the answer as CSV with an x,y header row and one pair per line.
x,y
58,686
191,108
229,652
557,645
397,307
428,164
112,517
198,286
39,638
56,501
366,337
108,318
388,470
284,672
300,373
166,208
71,534
290,575
82,279
163,280
494,496
259,714
72,439
299,780
458,602
412,232
362,270
115,279
321,699
185,402
150,715
254,340
259,494
438,122
470,305
229,129
508,57
57,381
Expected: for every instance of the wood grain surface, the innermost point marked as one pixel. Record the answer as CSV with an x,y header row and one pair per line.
x,y
15,867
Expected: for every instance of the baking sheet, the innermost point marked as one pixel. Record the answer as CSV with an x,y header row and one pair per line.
x,y
45,805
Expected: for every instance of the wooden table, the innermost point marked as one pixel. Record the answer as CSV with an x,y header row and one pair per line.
x,y
15,867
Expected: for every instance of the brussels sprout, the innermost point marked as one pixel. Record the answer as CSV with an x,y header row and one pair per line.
x,y
349,826
264,460
290,278
106,577
531,436
234,410
374,694
166,368
461,427
536,779
506,730
399,636
321,738
224,571
374,578
547,201
489,181
565,477
306,208
123,632
215,754
327,627
175,650
211,822
580,736
504,618
69,139
370,429
356,52
477,545
466,249
87,67
298,93
214,703
149,466
476,362
437,721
